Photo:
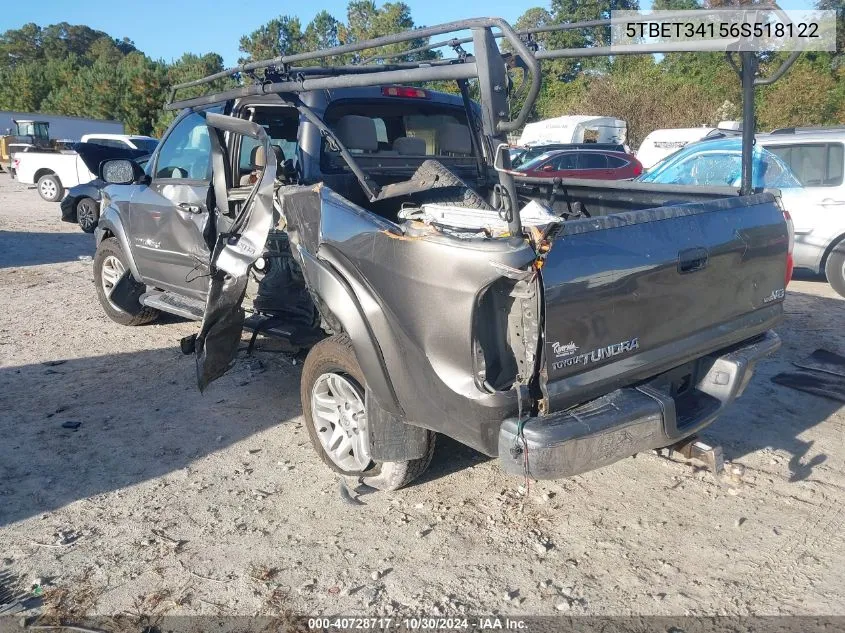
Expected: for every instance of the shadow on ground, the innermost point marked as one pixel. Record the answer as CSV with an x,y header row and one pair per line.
x,y
773,416
140,416
21,248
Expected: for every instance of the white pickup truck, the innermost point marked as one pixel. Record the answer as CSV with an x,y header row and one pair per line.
x,y
54,171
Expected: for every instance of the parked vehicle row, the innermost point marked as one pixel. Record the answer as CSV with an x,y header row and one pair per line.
x,y
81,204
807,169
807,166
53,171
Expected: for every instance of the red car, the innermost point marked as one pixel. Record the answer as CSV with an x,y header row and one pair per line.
x,y
583,163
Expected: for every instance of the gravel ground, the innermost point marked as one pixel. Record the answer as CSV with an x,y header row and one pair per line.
x,y
168,501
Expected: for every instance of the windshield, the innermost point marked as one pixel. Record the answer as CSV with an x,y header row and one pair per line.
x,y
147,144
528,154
719,163
533,163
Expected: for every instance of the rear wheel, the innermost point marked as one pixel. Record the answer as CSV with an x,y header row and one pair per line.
x,y
50,188
332,393
87,214
109,266
835,269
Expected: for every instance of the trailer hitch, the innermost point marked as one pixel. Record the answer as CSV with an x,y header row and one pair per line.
x,y
693,448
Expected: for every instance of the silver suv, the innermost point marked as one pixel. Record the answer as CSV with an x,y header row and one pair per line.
x,y
817,157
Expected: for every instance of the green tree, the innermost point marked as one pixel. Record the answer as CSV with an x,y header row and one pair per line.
x,y
321,32
365,21
569,11
280,36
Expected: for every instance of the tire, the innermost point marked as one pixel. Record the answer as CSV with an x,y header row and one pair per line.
x,y
87,214
50,188
447,187
834,268
335,356
108,256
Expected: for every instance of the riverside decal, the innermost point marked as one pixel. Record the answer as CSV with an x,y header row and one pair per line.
x,y
595,356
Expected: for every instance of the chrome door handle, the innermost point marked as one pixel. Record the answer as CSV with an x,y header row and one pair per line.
x,y
830,202
190,208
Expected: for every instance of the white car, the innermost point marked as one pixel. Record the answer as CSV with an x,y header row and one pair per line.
x,y
53,172
817,158
130,141
50,172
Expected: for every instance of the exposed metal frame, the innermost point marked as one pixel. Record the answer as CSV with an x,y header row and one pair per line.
x,y
282,76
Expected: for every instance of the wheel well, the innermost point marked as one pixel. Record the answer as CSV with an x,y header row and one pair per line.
x,y
833,244
43,172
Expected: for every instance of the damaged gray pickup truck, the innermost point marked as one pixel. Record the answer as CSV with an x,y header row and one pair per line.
x,y
559,326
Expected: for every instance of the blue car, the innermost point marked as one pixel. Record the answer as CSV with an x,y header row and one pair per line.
x,y
719,163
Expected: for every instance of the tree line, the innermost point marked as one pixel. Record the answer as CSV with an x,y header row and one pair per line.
x,y
75,70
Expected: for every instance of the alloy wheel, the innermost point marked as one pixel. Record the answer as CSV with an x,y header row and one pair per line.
x,y
340,419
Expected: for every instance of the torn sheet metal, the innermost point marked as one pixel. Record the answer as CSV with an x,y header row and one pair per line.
x,y
217,342
426,312
243,242
239,241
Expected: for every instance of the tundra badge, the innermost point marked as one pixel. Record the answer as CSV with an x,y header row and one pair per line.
x,y
595,356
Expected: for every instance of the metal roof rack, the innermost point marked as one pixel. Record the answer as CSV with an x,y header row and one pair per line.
x,y
291,74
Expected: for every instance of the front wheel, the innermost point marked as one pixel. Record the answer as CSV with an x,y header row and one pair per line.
x,y
834,269
87,214
332,393
109,266
50,188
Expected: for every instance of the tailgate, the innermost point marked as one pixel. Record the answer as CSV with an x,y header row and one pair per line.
x,y
630,295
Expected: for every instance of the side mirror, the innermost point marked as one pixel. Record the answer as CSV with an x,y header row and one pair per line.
x,y
548,168
121,172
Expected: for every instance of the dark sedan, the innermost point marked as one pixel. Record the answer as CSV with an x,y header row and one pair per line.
x,y
81,204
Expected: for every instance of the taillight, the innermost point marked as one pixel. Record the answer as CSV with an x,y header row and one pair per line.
x,y
638,169
404,91
790,262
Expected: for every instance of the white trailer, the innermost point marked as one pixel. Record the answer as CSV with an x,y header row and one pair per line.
x,y
62,127
661,143
575,129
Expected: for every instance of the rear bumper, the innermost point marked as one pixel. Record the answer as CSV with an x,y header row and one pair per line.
x,y
632,419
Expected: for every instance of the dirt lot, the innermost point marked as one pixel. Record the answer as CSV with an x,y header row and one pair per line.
x,y
168,501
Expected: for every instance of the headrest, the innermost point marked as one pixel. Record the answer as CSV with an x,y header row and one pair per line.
x,y
280,153
410,145
357,132
258,158
453,138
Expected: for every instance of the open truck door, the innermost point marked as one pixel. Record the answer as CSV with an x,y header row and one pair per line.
x,y
237,238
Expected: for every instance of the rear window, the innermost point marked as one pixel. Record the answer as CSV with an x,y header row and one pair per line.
x,y
814,164
382,129
591,160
